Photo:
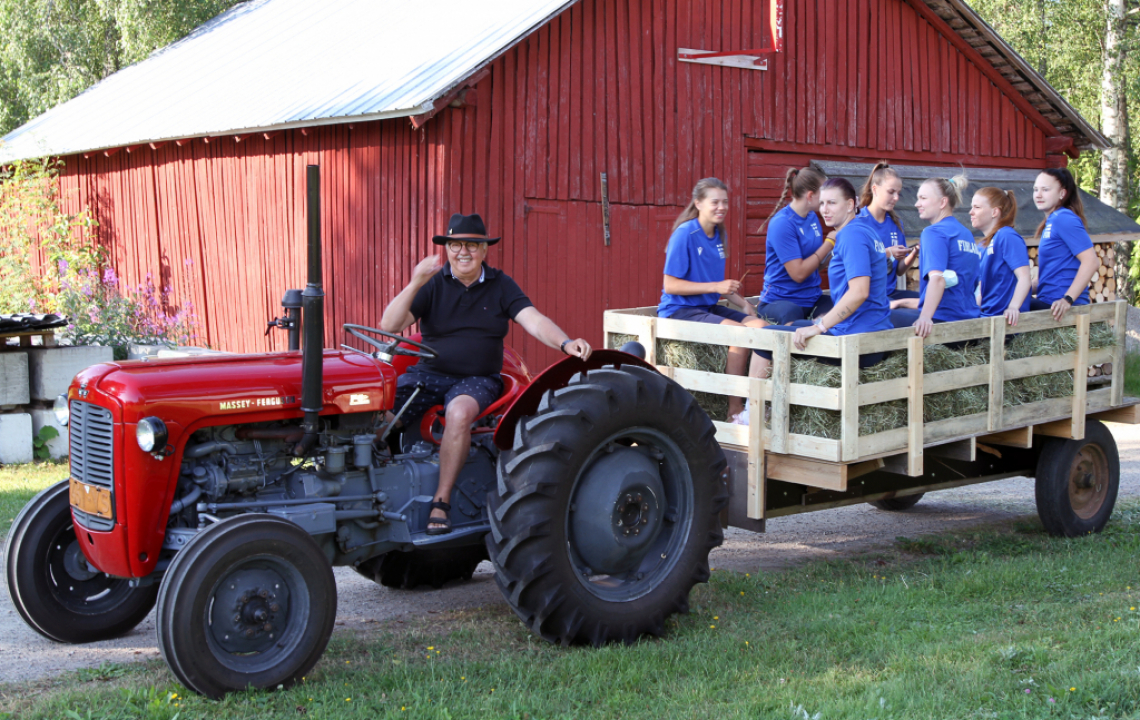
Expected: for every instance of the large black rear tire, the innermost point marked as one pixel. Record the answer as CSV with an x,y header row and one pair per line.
x,y
248,602
51,584
1077,482
607,507
408,570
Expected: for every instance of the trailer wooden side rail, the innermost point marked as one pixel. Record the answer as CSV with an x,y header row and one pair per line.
x,y
776,454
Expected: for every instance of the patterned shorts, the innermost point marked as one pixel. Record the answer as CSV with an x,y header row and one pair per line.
x,y
441,389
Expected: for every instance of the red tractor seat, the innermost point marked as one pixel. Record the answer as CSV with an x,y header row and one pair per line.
x,y
435,421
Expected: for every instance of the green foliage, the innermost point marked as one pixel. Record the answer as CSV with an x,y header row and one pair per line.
x,y
40,442
52,50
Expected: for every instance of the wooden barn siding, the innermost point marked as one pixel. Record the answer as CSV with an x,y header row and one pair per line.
x,y
598,89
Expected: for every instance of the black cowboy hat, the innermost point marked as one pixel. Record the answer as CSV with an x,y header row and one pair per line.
x,y
465,227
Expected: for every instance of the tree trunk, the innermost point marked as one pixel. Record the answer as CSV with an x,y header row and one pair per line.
x,y
1114,121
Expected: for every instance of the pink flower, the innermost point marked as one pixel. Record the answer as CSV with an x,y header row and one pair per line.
x,y
1027,691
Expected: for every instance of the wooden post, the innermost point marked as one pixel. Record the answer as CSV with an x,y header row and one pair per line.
x,y
849,399
781,379
914,406
755,509
997,373
1080,377
1121,333
648,339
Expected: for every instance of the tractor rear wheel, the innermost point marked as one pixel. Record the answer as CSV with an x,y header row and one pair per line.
x,y
54,589
607,507
407,570
248,602
1077,482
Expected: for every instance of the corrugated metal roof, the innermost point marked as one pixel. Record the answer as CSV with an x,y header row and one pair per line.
x,y
271,64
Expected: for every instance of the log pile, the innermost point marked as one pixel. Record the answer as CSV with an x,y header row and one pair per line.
x,y
1102,288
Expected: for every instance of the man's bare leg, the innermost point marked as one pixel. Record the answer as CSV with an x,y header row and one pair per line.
x,y
453,449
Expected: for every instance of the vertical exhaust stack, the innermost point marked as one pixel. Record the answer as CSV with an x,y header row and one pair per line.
x,y
313,322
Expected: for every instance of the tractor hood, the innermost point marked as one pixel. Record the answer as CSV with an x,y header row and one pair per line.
x,y
248,387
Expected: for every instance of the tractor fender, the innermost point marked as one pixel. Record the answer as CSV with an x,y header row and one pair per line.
x,y
556,376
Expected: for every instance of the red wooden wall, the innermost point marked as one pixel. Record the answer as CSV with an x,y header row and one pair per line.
x,y
598,89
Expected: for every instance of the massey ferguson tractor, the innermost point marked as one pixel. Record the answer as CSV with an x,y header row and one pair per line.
x,y
224,488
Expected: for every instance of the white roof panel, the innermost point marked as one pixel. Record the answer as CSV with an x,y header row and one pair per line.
x,y
269,64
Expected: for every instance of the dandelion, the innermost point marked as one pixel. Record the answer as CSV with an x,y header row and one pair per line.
x,y
716,617
431,647
712,627
741,592
348,699
1072,689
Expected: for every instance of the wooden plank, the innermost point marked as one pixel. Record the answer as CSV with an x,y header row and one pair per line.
x,y
954,379
886,442
739,336
957,450
1120,326
781,379
756,455
1080,376
849,387
803,471
883,391
1018,437
914,407
1129,415
723,384
954,428
997,372
648,339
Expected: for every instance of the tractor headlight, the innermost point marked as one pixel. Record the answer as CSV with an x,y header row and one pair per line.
x,y
62,410
151,434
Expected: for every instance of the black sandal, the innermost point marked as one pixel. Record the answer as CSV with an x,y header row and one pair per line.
x,y
445,522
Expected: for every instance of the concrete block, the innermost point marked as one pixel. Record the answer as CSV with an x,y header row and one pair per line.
x,y
58,447
15,438
52,369
14,378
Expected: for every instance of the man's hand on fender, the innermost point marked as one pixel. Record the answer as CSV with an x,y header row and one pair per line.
x,y
425,269
578,348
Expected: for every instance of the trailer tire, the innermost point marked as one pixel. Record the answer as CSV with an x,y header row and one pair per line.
x,y
429,566
606,507
51,585
897,504
248,602
1077,482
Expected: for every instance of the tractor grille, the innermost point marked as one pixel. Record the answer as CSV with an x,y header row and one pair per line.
x,y
92,444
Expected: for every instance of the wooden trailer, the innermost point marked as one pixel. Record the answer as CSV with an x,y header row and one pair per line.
x,y
775,472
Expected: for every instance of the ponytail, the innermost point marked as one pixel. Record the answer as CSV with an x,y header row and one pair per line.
x,y
1072,199
879,173
797,183
1004,201
951,189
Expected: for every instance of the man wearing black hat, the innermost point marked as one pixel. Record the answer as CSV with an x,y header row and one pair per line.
x,y
463,309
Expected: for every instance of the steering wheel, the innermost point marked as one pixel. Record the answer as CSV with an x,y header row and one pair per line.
x,y
391,348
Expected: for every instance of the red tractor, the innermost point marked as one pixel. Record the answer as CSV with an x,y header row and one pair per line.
x,y
225,488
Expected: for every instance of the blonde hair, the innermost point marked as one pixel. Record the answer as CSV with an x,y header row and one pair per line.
x,y
952,189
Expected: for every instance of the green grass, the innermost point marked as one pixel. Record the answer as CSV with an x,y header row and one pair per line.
x,y
20,483
996,622
1132,374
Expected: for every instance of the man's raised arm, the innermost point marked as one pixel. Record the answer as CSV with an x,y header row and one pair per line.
x,y
398,315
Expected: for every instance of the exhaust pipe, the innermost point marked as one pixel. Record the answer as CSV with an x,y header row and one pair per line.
x,y
313,323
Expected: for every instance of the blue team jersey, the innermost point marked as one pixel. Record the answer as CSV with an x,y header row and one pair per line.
x,y
1062,239
791,237
859,253
1005,253
691,255
948,245
888,232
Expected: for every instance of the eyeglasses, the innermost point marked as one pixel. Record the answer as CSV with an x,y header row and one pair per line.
x,y
455,246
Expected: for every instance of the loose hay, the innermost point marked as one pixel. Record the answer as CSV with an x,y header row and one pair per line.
x,y
891,415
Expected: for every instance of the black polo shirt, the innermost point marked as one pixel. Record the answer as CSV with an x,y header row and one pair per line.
x,y
466,325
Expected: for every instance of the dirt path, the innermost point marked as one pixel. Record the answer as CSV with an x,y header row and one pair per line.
x,y
24,655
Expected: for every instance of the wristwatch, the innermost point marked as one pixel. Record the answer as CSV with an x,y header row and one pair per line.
x,y
562,347
1068,299
818,322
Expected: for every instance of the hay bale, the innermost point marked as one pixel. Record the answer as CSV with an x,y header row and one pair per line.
x,y
690,356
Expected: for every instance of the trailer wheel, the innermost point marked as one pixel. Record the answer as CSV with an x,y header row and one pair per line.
x,y
897,504
408,570
51,584
248,602
1077,482
607,507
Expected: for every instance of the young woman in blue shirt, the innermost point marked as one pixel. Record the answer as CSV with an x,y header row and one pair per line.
x,y
1005,259
878,198
795,249
859,278
694,279
948,251
1065,257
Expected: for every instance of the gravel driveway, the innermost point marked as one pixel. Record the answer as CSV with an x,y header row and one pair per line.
x,y
25,655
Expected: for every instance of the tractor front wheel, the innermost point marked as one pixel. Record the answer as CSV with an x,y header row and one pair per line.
x,y
607,507
54,589
248,602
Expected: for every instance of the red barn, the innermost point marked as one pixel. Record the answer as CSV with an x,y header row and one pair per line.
x,y
577,129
